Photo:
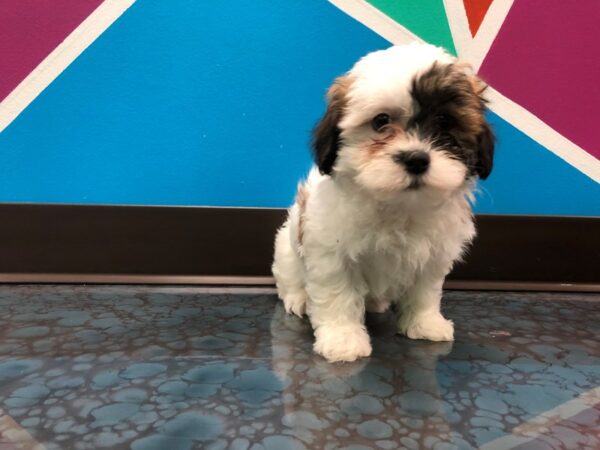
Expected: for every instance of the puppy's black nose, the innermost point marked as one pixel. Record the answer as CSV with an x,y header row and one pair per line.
x,y
416,162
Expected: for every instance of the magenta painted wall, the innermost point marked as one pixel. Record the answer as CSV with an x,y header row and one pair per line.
x,y
547,58
30,30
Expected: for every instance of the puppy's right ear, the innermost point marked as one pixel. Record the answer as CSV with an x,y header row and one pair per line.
x,y
326,135
485,152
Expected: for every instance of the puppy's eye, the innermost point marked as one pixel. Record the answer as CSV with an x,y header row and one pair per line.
x,y
380,121
443,120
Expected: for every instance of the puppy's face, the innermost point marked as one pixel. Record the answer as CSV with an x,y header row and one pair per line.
x,y
407,121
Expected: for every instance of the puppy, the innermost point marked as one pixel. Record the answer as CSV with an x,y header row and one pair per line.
x,y
386,212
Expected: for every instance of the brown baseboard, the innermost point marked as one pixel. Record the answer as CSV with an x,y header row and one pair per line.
x,y
189,245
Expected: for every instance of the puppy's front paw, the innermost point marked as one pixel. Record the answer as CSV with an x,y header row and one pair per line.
x,y
430,326
295,303
342,343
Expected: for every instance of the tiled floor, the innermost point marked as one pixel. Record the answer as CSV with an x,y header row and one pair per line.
x,y
179,368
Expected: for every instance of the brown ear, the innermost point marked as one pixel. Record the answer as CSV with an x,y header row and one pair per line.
x,y
326,135
485,138
485,152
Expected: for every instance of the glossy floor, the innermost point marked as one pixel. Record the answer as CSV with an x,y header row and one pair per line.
x,y
184,367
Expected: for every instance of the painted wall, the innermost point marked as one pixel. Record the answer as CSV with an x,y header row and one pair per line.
x,y
194,103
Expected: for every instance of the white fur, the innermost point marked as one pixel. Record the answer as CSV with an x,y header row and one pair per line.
x,y
384,77
367,240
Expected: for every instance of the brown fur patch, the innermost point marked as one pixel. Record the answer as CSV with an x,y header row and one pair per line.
x,y
452,110
326,134
388,134
338,90
301,199
449,88
478,86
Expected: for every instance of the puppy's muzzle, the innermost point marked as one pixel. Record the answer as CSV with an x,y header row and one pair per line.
x,y
415,162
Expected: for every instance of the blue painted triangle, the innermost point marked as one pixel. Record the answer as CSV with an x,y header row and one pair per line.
x,y
529,179
185,103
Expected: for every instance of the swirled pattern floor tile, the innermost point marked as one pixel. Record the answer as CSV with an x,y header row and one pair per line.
x,y
183,367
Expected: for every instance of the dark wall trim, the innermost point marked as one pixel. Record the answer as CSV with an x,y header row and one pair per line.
x,y
186,245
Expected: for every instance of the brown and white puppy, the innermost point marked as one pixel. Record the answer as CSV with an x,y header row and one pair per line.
x,y
386,212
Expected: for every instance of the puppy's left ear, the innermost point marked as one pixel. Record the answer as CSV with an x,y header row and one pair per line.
x,y
485,152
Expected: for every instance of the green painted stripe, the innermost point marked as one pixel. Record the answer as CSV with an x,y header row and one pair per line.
x,y
425,18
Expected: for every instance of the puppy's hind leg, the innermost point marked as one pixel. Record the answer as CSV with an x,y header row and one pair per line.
x,y
289,273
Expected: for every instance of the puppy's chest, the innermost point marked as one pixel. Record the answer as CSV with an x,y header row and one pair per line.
x,y
394,256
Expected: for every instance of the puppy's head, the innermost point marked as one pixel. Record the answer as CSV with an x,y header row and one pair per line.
x,y
405,121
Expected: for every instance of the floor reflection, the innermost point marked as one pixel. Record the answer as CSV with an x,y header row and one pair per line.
x,y
179,367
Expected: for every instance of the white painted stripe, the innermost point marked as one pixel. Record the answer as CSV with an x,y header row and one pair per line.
x,y
459,27
60,58
474,49
510,111
488,30
374,19
539,425
544,134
